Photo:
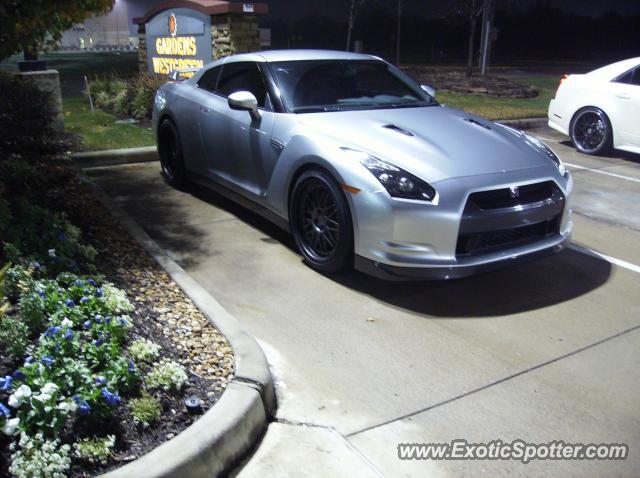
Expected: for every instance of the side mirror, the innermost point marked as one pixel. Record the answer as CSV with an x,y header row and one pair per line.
x,y
244,101
430,90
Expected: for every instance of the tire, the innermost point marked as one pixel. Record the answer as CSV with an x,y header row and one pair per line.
x,y
170,151
591,131
321,222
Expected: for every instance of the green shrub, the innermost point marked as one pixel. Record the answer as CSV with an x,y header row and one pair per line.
x,y
46,238
14,336
145,410
167,375
35,456
131,98
26,115
94,450
144,351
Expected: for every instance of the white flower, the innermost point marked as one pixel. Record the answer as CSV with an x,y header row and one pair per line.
x,y
52,253
19,396
67,406
66,323
46,392
11,427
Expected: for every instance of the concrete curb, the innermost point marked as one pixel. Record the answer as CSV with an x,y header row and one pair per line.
x,y
525,123
112,157
220,438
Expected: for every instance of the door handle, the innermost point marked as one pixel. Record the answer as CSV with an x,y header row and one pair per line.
x,y
623,96
204,110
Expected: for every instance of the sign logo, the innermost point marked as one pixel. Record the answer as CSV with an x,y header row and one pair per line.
x,y
173,24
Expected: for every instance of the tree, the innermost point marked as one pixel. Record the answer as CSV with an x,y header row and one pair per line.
x,y
470,10
354,10
28,25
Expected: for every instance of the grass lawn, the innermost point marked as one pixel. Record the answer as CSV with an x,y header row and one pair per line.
x,y
99,129
503,108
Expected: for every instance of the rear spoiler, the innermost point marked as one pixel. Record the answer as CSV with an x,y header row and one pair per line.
x,y
179,75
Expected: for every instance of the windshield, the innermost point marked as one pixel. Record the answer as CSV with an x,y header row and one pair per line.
x,y
336,85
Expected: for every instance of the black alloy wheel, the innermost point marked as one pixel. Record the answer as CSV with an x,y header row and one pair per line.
x,y
591,131
321,222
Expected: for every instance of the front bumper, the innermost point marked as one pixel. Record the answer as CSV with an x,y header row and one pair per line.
x,y
460,270
411,239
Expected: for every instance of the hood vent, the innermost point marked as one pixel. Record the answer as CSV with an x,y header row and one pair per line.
x,y
475,121
398,129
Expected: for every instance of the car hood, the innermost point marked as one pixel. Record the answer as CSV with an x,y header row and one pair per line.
x,y
434,143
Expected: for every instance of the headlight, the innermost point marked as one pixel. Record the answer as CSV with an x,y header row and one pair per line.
x,y
398,182
546,150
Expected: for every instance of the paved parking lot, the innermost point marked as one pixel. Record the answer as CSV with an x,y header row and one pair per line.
x,y
544,351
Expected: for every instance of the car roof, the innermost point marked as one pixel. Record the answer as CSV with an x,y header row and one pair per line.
x,y
296,55
614,69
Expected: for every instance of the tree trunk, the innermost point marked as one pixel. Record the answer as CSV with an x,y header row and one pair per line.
x,y
398,32
352,7
472,34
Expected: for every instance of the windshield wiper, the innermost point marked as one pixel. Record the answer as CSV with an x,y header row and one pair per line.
x,y
310,109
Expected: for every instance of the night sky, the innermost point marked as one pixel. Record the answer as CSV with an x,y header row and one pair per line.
x,y
292,10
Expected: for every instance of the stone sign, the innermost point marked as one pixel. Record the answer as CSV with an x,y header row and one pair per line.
x,y
178,39
182,34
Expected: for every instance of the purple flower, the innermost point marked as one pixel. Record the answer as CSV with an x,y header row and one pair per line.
x,y
51,331
69,303
84,300
61,236
107,320
35,265
5,383
68,334
98,319
19,375
98,342
83,406
29,360
100,380
123,322
99,292
87,324
47,360
132,366
41,293
4,411
112,399
92,282
79,282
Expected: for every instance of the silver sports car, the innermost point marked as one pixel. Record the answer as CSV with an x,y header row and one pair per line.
x,y
363,165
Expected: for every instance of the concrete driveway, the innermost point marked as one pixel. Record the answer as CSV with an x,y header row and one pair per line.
x,y
541,352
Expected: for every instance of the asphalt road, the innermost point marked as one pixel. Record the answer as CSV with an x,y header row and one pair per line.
x,y
541,352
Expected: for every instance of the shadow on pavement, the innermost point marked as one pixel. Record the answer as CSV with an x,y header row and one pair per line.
x,y
521,288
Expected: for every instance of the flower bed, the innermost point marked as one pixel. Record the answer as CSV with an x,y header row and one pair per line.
x,y
98,347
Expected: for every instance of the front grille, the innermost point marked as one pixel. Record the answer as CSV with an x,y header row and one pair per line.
x,y
488,241
507,197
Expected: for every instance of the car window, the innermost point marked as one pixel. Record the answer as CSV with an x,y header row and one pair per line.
x,y
209,79
242,76
631,77
335,85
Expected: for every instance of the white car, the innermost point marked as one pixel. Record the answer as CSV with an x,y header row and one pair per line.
x,y
600,110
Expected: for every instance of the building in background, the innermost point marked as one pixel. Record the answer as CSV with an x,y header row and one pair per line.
x,y
107,31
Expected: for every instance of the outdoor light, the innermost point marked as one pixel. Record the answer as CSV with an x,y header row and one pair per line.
x,y
193,404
